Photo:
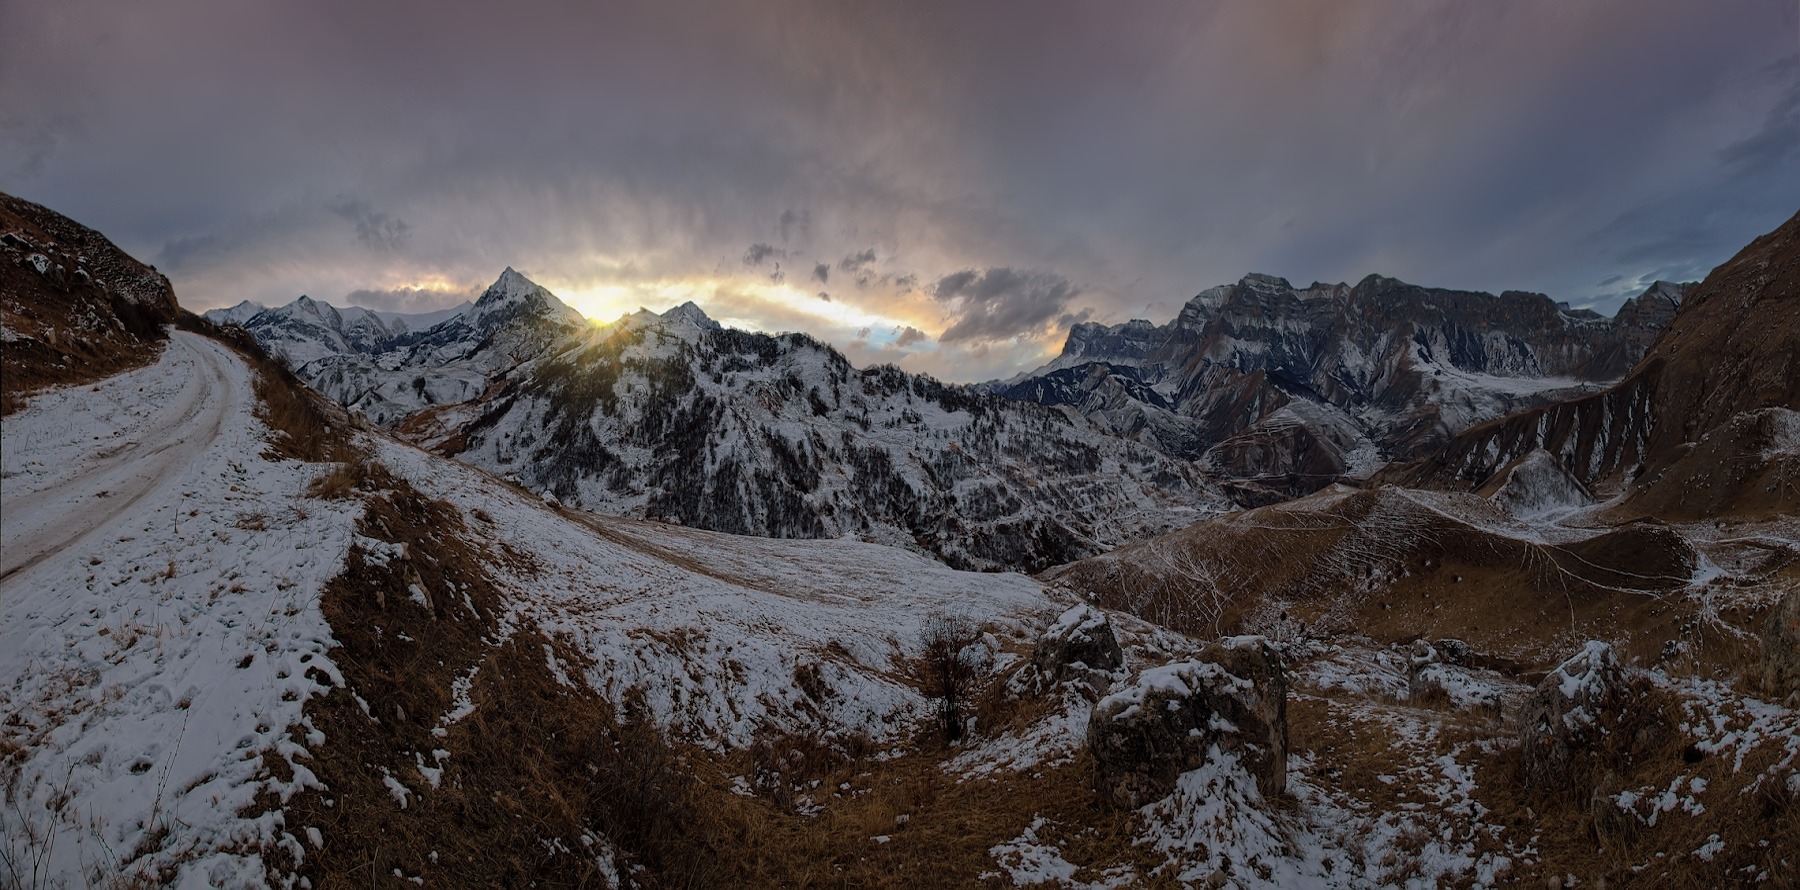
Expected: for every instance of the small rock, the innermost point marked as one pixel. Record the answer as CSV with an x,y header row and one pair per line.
x,y
1454,652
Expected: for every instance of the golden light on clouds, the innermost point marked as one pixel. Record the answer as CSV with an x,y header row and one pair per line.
x,y
872,325
744,302
436,284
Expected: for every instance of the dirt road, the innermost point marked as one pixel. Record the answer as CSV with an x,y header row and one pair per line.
x,y
144,426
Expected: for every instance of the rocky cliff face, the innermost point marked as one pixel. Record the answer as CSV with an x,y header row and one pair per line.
x,y
1732,350
1287,389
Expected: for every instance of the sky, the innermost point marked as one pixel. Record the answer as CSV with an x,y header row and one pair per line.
x,y
945,186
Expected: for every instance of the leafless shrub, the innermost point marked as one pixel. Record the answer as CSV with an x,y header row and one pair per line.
x,y
946,672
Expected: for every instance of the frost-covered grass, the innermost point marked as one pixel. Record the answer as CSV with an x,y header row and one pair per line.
x,y
713,628
162,676
152,666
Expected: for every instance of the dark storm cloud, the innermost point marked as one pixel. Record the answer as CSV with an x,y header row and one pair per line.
x,y
1537,145
822,273
374,229
858,263
795,225
1070,319
405,299
1001,303
860,266
757,254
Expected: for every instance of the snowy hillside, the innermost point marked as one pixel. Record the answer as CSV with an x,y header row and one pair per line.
x,y
246,671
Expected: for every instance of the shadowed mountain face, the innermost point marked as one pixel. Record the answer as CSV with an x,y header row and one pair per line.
x,y
1732,351
1287,389
673,417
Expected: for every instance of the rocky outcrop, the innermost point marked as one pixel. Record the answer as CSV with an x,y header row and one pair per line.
x,y
1080,640
1565,714
1439,670
1536,486
73,306
1588,717
1781,647
1172,718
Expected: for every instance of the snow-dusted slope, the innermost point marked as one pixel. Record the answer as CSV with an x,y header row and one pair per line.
x,y
713,627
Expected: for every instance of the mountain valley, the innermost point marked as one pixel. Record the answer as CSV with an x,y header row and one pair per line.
x,y
1348,586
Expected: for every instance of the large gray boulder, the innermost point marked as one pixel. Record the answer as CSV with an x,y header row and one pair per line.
x,y
1781,647
1081,638
1174,718
1588,717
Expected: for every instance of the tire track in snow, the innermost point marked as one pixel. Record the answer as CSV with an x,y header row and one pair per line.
x,y
40,524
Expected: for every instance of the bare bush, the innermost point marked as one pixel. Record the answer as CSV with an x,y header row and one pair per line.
x,y
947,672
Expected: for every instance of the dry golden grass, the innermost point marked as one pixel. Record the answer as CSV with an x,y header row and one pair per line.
x,y
306,426
1374,564
1590,837
538,765
1575,829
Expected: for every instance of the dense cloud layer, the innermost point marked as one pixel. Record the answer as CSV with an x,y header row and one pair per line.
x,y
1078,160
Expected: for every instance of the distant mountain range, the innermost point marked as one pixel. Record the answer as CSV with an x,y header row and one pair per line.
x,y
1284,390
673,417
1255,393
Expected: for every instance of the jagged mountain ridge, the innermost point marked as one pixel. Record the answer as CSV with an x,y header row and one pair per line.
x,y
1289,389
674,417
308,329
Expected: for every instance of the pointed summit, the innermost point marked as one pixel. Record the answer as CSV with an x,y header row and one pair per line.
x,y
239,314
512,294
688,313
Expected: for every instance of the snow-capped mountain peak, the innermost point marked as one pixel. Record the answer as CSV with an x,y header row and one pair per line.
x,y
512,294
238,314
690,314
